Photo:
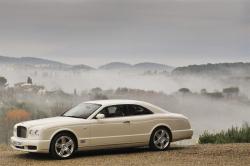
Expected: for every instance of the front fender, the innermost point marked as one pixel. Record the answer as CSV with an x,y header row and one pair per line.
x,y
60,130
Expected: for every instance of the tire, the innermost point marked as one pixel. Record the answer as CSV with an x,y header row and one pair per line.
x,y
63,146
160,139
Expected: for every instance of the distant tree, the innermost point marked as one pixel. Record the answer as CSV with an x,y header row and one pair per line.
x,y
203,91
17,115
12,117
215,95
97,94
3,82
96,90
75,92
184,90
213,69
100,97
59,108
232,90
121,90
29,80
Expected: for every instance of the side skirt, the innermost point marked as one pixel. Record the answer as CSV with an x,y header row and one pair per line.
x,y
113,146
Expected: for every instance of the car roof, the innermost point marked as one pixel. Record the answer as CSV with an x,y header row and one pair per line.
x,y
116,102
110,102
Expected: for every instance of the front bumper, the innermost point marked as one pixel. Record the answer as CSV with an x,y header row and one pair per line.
x,y
26,145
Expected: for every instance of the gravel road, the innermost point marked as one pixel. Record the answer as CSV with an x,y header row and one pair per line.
x,y
226,155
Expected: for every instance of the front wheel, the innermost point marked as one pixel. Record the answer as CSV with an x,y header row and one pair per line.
x,y
160,139
62,146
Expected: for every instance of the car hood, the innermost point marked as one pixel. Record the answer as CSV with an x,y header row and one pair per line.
x,y
52,122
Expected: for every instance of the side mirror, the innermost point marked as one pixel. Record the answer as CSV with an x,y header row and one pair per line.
x,y
100,116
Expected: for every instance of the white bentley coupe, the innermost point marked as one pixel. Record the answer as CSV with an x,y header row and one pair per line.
x,y
102,124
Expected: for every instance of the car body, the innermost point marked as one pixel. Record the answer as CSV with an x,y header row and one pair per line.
x,y
102,124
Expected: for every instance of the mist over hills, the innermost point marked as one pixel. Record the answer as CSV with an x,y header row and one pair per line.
x,y
40,63
30,61
45,63
204,97
237,68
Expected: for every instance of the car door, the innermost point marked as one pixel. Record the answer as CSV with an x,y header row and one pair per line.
x,y
111,130
141,123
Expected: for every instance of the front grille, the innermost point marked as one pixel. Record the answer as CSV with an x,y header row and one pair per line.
x,y
21,131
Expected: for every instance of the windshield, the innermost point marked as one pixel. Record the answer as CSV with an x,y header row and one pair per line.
x,y
83,110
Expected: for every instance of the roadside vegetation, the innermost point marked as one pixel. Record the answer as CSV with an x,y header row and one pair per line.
x,y
28,101
232,135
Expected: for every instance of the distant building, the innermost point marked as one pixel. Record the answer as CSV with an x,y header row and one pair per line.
x,y
27,87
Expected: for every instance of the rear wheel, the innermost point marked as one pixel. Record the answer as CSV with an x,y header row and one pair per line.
x,y
63,146
160,139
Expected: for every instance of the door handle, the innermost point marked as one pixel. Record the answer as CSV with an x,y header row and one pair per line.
x,y
126,122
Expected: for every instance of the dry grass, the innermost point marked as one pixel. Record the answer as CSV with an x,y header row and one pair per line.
x,y
226,155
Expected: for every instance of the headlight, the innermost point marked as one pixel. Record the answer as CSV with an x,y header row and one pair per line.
x,y
34,132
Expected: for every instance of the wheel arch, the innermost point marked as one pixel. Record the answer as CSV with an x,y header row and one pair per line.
x,y
69,131
164,126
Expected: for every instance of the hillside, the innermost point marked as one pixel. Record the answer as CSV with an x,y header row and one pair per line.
x,y
196,155
41,63
152,66
30,61
45,63
238,68
115,66
82,67
144,66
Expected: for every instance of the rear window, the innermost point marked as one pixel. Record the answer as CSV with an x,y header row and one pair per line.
x,y
137,110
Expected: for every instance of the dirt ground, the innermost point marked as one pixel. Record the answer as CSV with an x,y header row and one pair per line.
x,y
200,155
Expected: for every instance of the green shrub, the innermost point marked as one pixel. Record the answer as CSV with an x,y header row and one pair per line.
x,y
232,135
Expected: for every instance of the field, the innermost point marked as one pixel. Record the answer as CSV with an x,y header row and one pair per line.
x,y
226,155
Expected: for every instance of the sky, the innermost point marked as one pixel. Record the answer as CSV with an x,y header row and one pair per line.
x,y
94,32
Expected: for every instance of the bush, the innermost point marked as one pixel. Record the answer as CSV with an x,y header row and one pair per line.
x,y
232,135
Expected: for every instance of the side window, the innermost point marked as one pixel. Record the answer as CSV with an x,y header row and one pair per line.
x,y
114,111
138,110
